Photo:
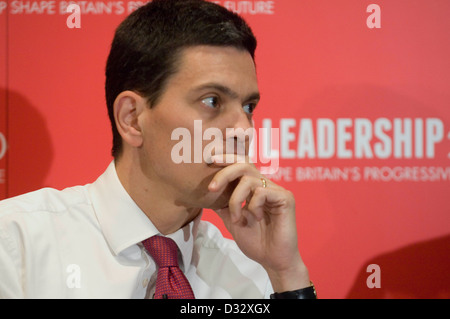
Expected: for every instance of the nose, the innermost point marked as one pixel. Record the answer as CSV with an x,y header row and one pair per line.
x,y
239,132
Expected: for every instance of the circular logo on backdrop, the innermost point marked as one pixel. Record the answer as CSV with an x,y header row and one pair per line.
x,y
3,145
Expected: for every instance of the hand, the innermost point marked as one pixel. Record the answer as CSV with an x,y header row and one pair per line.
x,y
261,221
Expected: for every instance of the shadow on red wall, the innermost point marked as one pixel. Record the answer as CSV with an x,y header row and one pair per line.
x,y
419,271
30,149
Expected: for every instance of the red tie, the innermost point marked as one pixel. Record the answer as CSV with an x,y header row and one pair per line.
x,y
170,282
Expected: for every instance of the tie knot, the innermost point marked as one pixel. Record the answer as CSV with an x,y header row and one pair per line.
x,y
163,250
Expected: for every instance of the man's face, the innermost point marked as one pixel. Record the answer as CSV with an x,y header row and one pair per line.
x,y
216,85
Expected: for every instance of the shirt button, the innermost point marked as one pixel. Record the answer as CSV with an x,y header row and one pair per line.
x,y
145,282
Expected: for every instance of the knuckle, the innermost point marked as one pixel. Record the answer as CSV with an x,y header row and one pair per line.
x,y
259,190
245,179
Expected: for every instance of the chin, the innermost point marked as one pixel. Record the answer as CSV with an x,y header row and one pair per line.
x,y
221,200
203,198
219,203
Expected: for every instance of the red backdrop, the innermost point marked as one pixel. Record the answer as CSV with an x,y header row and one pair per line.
x,y
359,92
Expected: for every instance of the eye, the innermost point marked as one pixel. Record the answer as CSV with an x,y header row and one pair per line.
x,y
249,108
212,102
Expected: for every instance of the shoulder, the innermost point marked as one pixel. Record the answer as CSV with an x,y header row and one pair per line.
x,y
39,220
45,200
34,231
40,209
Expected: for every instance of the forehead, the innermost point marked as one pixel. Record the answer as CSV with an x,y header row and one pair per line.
x,y
229,66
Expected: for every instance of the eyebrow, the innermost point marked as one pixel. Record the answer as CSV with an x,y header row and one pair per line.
x,y
227,91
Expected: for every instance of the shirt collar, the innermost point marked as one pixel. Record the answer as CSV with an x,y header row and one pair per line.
x,y
124,224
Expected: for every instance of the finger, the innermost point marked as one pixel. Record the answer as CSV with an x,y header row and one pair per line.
x,y
228,159
257,202
231,173
241,193
271,199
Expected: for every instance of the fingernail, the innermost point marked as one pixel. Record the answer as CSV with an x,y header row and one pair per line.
x,y
212,185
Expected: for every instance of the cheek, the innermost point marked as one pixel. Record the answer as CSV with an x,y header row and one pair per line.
x,y
157,131
174,140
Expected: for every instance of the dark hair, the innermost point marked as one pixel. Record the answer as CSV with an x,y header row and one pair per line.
x,y
147,45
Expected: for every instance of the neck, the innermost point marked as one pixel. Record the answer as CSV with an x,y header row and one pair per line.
x,y
154,198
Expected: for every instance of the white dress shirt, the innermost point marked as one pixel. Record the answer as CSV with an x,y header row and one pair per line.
x,y
85,242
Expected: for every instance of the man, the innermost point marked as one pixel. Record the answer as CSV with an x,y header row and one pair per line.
x,y
171,63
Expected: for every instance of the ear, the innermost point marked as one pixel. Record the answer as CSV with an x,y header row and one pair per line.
x,y
127,108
